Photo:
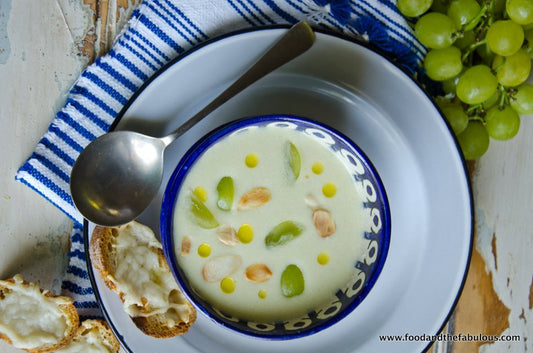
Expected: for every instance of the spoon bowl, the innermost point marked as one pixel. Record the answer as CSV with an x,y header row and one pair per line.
x,y
117,175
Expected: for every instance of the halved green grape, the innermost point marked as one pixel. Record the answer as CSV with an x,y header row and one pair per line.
x,y
474,140
443,64
435,30
413,8
225,191
292,281
513,70
522,100
505,37
294,159
476,85
520,11
283,233
502,124
456,116
203,217
464,12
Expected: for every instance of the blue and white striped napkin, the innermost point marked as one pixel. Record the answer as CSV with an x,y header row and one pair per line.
x,y
158,31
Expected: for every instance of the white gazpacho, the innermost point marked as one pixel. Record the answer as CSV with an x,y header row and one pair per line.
x,y
269,223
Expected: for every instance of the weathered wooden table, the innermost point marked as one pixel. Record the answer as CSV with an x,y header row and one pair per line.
x,y
43,47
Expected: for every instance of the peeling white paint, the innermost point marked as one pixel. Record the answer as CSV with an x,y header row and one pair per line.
x,y
77,16
125,14
117,19
40,59
5,46
43,62
504,199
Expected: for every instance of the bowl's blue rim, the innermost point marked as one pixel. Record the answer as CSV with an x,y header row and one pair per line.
x,y
365,44
188,160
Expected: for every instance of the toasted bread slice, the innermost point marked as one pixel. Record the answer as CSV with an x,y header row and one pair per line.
x,y
34,319
93,336
131,262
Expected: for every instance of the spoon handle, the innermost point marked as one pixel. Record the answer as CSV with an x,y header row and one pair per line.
x,y
297,40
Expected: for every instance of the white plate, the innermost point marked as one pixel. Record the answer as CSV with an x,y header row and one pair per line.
x,y
356,90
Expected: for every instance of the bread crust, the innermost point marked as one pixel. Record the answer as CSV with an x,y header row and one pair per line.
x,y
100,251
104,332
155,325
68,309
103,259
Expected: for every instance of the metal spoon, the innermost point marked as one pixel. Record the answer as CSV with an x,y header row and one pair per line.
x,y
118,174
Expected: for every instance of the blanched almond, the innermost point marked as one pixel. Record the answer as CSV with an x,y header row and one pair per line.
x,y
254,198
221,266
324,223
311,201
227,235
185,246
258,273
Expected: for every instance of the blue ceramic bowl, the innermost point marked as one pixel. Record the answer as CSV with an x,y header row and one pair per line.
x,y
375,240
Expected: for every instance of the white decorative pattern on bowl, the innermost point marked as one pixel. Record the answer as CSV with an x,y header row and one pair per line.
x,y
375,240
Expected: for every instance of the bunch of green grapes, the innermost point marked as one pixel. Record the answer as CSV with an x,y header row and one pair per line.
x,y
481,52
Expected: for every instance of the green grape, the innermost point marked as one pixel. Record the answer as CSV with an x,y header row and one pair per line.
x,y
522,100
512,70
464,11
467,39
413,8
474,140
520,11
443,64
283,233
440,6
202,215
225,191
442,101
294,160
499,8
449,86
486,55
476,85
505,37
502,124
494,99
435,30
528,39
456,116
292,281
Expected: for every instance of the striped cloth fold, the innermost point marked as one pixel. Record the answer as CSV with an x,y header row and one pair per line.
x,y
159,31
